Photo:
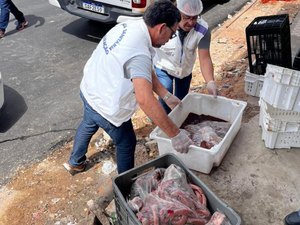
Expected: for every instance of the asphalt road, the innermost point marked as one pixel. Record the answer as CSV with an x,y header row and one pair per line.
x,y
42,68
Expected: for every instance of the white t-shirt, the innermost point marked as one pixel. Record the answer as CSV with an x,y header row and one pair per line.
x,y
106,83
178,59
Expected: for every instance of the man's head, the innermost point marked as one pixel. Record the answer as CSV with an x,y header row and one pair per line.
x,y
189,10
162,19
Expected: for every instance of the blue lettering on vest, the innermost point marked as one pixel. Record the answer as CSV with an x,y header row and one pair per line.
x,y
117,42
105,47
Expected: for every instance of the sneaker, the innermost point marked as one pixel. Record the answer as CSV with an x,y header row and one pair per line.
x,y
74,169
293,218
22,25
2,33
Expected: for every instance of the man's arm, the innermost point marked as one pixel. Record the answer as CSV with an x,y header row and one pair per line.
x,y
206,64
207,70
158,88
205,61
144,80
150,105
171,100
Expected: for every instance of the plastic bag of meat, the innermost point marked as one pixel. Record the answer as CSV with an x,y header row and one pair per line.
x,y
204,135
188,133
192,128
147,183
175,201
171,200
175,179
174,185
220,128
209,137
158,211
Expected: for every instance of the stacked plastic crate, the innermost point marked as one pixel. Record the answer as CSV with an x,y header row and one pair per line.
x,y
279,101
268,42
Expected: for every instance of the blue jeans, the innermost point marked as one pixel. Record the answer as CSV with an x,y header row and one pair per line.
x,y
181,86
7,6
123,138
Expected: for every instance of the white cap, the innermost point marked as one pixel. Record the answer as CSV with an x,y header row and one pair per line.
x,y
190,7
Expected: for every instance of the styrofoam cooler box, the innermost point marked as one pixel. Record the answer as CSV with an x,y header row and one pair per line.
x,y
278,120
253,83
281,88
198,158
280,128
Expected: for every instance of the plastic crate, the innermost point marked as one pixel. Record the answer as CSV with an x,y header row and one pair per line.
x,y
281,88
278,120
253,83
122,185
198,158
269,41
296,63
280,139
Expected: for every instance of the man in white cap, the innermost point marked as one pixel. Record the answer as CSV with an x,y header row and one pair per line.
x,y
175,60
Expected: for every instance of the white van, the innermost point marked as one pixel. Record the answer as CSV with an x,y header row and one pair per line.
x,y
1,92
105,11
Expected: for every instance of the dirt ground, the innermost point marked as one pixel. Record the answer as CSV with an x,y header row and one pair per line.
x,y
45,193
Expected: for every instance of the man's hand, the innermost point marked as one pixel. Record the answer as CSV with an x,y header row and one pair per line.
x,y
181,142
171,100
212,88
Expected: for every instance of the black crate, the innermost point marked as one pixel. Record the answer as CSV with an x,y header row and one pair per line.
x,y
122,186
269,41
296,63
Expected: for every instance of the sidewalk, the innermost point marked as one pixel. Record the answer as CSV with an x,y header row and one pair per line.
x,y
254,177
295,35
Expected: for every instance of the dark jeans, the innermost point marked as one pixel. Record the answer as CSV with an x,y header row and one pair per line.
x,y
181,86
123,138
7,6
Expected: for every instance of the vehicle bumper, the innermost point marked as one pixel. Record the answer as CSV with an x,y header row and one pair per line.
x,y
112,14
55,3
124,18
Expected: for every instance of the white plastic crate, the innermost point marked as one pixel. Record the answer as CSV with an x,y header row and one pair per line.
x,y
281,88
280,128
253,83
278,120
198,158
280,139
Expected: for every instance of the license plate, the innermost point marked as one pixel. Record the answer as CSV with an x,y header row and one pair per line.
x,y
93,7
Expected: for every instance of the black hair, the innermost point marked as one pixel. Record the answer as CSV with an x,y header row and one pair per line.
x,y
161,11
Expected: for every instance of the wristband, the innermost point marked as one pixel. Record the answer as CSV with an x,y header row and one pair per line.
x,y
167,96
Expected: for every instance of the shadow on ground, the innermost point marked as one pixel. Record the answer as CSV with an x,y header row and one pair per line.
x,y
13,109
33,21
87,29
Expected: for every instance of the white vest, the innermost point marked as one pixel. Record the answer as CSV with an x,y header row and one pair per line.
x,y
104,85
179,60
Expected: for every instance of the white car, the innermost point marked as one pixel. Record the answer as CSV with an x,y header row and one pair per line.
x,y
1,92
105,11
